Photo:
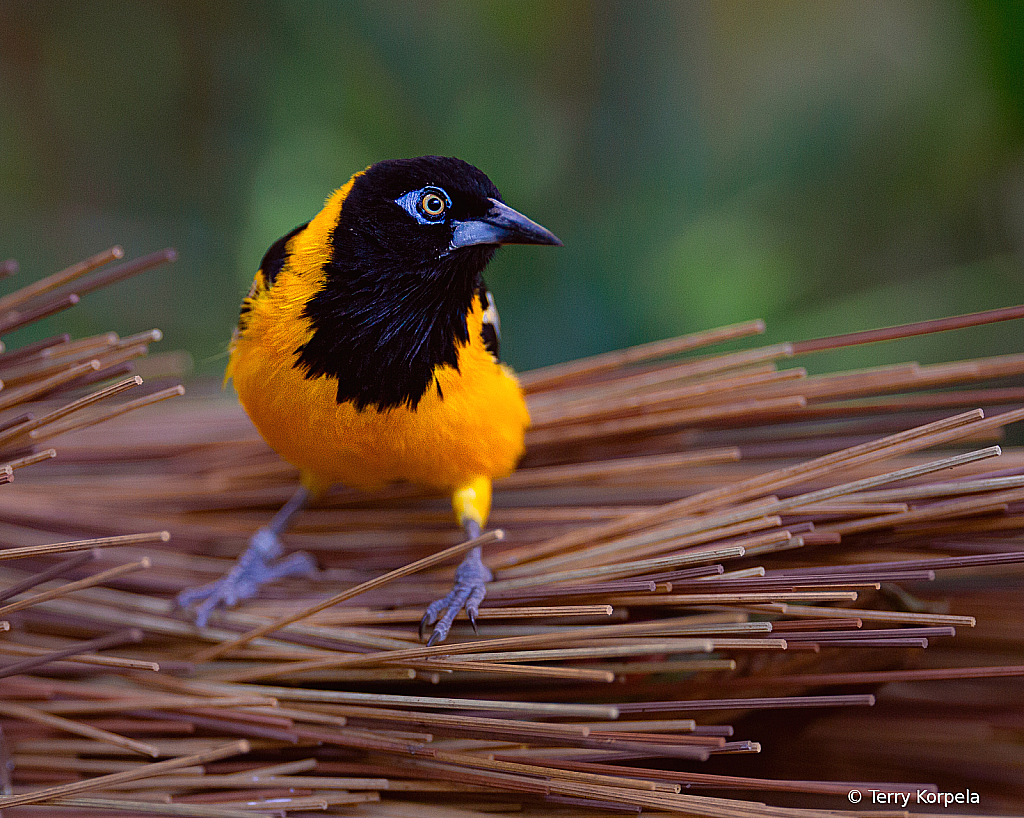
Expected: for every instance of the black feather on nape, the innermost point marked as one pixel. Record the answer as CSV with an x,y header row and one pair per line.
x,y
274,258
273,261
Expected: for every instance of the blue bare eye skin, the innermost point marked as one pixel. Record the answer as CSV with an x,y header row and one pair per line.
x,y
427,205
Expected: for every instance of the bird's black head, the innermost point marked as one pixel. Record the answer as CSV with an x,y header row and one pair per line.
x,y
415,213
412,239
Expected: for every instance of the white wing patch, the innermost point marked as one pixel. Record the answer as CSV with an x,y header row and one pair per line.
x,y
491,317
491,323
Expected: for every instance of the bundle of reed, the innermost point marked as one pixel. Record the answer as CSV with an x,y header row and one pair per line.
x,y
722,587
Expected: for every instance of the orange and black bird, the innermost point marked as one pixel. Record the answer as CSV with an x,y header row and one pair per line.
x,y
367,353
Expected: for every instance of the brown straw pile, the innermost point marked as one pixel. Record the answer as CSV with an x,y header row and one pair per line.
x,y
723,588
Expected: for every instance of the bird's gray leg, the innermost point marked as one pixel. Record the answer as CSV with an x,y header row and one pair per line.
x,y
259,565
468,591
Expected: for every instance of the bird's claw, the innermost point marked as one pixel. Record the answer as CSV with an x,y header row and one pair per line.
x,y
259,565
468,591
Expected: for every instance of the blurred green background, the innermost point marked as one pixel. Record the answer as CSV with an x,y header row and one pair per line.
x,y
826,166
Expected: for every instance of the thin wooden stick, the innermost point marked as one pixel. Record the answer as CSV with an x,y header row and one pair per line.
x,y
52,282
631,403
539,709
30,459
36,348
639,648
21,394
43,576
74,406
127,270
83,346
19,711
662,420
906,617
128,702
542,672
100,643
91,804
734,598
620,569
541,611
887,676
908,330
626,466
110,781
55,429
91,765
70,587
16,319
18,649
760,703
539,379
83,545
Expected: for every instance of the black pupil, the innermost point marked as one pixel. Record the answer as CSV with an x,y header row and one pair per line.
x,y
433,205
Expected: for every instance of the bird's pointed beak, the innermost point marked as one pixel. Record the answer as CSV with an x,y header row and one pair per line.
x,y
501,225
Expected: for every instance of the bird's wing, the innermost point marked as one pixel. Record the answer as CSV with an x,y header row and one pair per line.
x,y
492,324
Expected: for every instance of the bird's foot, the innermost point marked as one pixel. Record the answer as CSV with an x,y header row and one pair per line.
x,y
471,578
260,564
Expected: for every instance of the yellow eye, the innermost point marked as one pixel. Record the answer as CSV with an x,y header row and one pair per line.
x,y
432,204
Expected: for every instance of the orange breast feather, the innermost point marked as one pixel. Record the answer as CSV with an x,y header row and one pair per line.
x,y
476,429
